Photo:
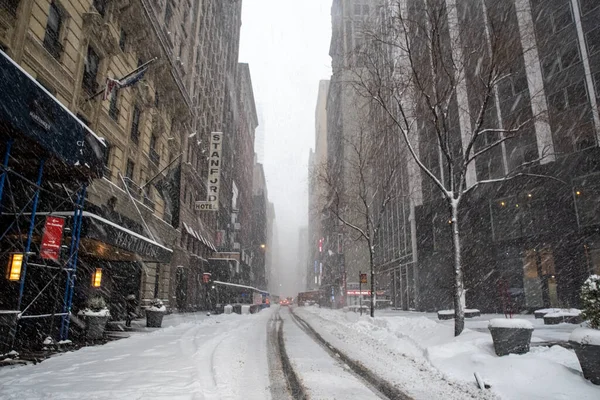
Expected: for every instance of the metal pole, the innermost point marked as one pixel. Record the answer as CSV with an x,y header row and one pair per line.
x,y
4,171
74,261
36,197
63,335
360,291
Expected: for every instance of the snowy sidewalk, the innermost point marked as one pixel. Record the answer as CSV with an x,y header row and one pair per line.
x,y
424,358
193,357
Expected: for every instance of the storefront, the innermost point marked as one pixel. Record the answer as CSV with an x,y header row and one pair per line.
x,y
48,157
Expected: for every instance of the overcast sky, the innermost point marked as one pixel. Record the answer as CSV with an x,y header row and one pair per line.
x,y
286,43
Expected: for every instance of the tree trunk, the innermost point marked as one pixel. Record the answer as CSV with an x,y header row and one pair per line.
x,y
372,281
459,312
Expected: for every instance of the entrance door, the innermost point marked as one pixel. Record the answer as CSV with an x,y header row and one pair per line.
x,y
539,278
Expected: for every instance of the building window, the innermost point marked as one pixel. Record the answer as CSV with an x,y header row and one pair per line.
x,y
129,170
123,40
570,55
135,125
562,18
593,40
113,108
90,72
557,101
588,5
53,27
100,6
576,94
153,153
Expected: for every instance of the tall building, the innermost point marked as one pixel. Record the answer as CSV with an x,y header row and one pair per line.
x,y
528,242
317,189
177,72
260,245
129,226
351,120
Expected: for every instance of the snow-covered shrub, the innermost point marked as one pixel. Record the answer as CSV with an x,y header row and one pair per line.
x,y
590,298
96,303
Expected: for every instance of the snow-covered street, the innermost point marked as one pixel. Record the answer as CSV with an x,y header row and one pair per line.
x,y
192,357
260,356
322,376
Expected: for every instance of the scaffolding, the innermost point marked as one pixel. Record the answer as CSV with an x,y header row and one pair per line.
x,y
19,206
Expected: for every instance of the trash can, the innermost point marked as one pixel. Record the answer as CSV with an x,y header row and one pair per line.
x,y
8,327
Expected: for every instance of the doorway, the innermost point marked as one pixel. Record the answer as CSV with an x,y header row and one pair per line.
x,y
539,278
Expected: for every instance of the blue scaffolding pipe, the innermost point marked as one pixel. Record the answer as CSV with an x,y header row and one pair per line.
x,y
4,171
36,197
69,268
74,252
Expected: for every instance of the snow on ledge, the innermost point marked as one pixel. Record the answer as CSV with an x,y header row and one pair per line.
x,y
585,336
510,323
89,313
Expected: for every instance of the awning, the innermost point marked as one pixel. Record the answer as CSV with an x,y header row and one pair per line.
x,y
100,237
40,123
200,237
189,230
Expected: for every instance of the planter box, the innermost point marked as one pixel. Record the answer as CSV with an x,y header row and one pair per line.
x,y
550,319
154,318
539,314
449,314
445,314
511,340
95,326
589,359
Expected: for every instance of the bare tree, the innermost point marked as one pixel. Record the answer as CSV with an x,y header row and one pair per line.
x,y
434,68
361,189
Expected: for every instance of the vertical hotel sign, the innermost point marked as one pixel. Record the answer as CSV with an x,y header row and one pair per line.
x,y
214,174
52,238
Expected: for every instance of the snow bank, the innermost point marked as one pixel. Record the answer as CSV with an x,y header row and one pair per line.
x,y
394,345
510,323
446,312
585,336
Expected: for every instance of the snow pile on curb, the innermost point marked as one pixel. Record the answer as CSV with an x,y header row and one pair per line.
x,y
515,323
543,373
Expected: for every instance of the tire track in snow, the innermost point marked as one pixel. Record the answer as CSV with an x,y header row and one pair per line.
x,y
376,384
